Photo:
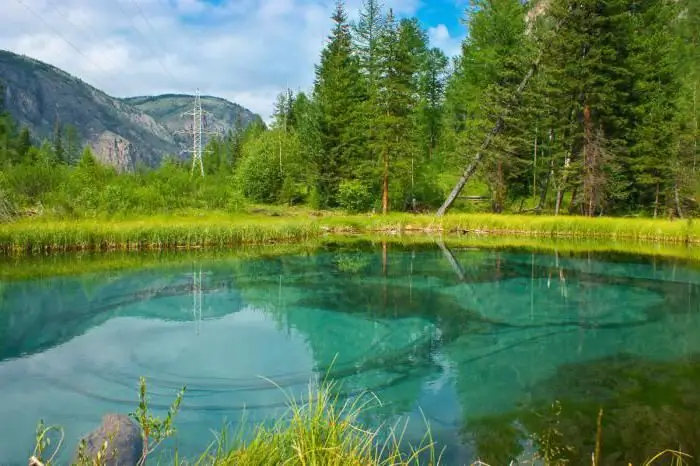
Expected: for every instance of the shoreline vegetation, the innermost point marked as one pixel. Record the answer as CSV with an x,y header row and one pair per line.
x,y
196,230
321,431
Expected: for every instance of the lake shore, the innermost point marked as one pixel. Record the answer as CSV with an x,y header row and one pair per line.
x,y
194,230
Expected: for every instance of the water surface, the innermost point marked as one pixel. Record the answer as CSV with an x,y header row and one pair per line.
x,y
483,342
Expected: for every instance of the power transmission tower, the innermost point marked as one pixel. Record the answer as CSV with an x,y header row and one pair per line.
x,y
197,131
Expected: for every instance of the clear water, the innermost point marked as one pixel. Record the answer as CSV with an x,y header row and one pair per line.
x,y
482,342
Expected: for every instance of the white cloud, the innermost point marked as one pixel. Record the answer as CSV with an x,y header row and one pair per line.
x,y
243,50
440,37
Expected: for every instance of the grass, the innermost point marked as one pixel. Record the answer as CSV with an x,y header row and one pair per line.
x,y
194,230
322,431
197,230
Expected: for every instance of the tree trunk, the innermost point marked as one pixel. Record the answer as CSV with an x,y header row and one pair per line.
x,y
497,128
498,194
589,162
534,169
679,210
564,179
545,187
695,121
574,193
656,201
385,191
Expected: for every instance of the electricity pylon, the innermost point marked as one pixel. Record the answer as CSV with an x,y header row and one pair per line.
x,y
199,121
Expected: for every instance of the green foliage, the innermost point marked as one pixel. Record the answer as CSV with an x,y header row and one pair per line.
x,y
153,429
354,196
270,169
338,92
607,123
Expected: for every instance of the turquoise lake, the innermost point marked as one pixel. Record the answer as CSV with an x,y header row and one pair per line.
x,y
496,348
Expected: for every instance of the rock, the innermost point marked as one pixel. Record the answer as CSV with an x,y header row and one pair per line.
x,y
124,441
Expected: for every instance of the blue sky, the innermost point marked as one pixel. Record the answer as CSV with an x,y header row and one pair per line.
x,y
447,12
246,51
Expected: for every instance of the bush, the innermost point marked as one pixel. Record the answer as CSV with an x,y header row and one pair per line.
x,y
354,196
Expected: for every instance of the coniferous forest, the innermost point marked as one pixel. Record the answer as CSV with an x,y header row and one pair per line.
x,y
585,107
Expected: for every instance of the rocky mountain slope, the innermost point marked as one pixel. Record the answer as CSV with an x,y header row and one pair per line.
x,y
168,109
122,132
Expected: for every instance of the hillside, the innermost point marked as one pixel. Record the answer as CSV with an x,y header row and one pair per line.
x,y
122,132
167,110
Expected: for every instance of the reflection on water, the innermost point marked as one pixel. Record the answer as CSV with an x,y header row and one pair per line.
x,y
483,342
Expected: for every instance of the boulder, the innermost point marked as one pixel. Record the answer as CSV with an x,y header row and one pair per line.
x,y
123,435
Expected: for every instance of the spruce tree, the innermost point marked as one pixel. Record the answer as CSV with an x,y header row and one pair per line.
x,y
24,144
338,92
397,102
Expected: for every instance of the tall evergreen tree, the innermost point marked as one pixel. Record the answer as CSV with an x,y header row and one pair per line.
x,y
338,92
432,92
24,144
495,57
397,99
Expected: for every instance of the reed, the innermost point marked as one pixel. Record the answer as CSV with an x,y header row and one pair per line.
x,y
156,233
210,230
323,431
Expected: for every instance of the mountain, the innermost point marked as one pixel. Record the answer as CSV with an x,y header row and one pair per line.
x,y
122,132
168,109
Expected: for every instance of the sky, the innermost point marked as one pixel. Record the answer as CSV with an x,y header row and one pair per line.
x,y
246,51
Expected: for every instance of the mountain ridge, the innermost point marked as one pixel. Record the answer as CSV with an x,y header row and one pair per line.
x,y
122,132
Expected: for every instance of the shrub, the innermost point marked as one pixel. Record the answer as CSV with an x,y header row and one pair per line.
x,y
354,196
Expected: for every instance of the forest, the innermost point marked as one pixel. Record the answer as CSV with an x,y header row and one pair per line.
x,y
562,107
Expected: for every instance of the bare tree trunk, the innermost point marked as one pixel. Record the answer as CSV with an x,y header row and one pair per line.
x,y
498,194
497,128
589,162
656,201
545,188
679,210
564,179
534,168
385,191
695,120
572,203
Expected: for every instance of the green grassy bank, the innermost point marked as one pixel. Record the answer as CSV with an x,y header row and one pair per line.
x,y
205,230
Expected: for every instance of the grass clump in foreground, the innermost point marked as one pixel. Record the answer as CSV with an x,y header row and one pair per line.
x,y
321,431
324,432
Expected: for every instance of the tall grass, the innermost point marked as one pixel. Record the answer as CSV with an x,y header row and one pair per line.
x,y
323,431
613,228
150,234
196,230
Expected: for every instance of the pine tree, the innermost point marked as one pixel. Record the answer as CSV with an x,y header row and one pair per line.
x,y
58,149
24,144
432,83
71,140
338,92
397,102
495,57
367,33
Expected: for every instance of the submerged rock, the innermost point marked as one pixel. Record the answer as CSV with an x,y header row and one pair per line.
x,y
124,439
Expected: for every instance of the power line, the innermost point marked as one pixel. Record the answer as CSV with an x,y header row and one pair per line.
x,y
143,36
87,33
148,23
55,31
